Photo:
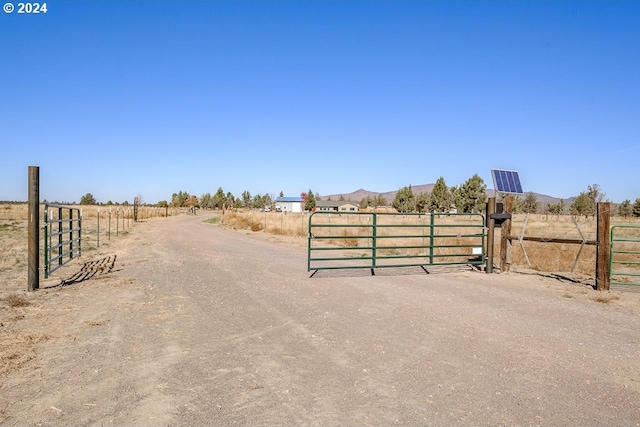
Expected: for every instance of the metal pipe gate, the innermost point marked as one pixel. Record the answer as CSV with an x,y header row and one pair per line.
x,y
381,240
625,253
62,236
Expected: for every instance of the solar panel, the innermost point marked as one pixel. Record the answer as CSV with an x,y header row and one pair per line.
x,y
506,181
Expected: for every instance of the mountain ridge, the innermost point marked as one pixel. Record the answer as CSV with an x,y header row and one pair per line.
x,y
361,193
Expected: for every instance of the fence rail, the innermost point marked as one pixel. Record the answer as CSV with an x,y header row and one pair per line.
x,y
62,236
380,240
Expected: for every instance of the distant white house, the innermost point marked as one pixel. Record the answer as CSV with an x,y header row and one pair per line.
x,y
289,204
336,206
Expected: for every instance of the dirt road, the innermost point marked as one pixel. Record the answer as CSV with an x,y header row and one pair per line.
x,y
201,325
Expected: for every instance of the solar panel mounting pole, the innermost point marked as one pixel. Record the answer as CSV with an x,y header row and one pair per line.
x,y
505,243
491,209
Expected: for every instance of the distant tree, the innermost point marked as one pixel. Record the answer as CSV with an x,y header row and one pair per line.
x,y
582,205
423,202
206,201
556,208
365,202
595,195
625,209
281,194
179,199
309,201
518,204
267,200
109,203
257,202
219,200
192,202
636,207
229,200
440,197
404,200
163,204
246,199
471,196
530,203
88,199
379,200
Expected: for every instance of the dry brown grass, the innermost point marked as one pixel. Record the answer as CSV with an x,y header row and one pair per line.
x,y
559,257
604,298
16,300
17,350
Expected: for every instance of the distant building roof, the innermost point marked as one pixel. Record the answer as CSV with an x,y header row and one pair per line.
x,y
289,199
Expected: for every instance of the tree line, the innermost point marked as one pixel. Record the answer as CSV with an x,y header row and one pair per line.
x,y
469,197
220,200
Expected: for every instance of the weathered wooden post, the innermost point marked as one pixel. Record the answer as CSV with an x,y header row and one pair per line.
x,y
603,246
34,229
505,243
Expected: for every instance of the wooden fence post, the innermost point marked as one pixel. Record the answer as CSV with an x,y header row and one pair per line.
x,y
505,232
34,229
603,246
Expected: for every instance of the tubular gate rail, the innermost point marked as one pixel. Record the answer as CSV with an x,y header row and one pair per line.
x,y
377,240
625,253
62,236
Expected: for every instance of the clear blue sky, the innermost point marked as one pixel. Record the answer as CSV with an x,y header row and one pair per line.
x,y
119,98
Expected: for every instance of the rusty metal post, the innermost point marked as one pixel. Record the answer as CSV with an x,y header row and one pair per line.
x,y
34,229
603,247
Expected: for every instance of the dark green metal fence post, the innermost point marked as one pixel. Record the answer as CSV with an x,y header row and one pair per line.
x,y
431,238
46,241
60,237
70,233
374,240
308,243
80,234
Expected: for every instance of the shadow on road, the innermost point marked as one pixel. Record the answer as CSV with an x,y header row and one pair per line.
x,y
89,270
391,272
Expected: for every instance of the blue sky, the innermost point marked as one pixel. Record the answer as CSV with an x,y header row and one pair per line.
x,y
120,98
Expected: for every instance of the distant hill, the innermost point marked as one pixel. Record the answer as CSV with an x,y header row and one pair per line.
x,y
360,194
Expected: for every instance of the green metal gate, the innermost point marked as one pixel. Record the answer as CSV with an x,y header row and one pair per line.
x,y
624,264
62,236
380,240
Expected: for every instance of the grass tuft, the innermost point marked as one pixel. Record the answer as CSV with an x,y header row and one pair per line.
x,y
604,298
16,300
